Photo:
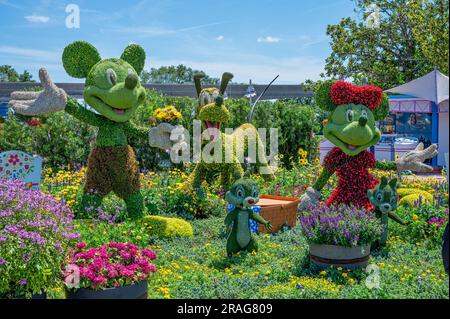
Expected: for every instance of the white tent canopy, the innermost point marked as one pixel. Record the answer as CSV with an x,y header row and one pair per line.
x,y
432,87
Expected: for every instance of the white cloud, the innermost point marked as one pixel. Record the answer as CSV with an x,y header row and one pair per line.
x,y
37,19
30,53
268,39
220,38
158,31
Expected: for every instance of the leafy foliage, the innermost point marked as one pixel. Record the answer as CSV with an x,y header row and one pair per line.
x,y
391,53
174,75
9,74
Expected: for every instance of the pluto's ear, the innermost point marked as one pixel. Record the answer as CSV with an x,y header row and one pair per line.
x,y
323,96
197,81
78,59
135,55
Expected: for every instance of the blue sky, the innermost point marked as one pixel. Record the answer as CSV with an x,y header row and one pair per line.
x,y
255,39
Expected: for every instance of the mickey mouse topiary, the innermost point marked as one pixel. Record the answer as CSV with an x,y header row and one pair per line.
x,y
112,88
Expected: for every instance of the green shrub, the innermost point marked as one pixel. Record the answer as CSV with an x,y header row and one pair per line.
x,y
58,138
410,197
165,227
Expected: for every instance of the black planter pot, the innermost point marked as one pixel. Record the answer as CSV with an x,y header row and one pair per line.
x,y
136,291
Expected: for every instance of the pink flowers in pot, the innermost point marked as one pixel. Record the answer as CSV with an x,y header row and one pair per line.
x,y
111,265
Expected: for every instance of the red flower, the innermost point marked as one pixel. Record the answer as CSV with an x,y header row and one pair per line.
x,y
346,93
354,179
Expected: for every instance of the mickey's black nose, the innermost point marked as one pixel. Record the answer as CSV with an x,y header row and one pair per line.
x,y
131,81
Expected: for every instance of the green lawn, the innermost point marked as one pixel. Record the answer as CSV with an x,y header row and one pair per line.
x,y
198,268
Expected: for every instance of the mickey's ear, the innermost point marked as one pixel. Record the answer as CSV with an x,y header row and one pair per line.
x,y
135,55
382,111
79,58
323,96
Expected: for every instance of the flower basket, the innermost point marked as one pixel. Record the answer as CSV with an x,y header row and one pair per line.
x,y
112,271
280,211
340,236
325,256
136,291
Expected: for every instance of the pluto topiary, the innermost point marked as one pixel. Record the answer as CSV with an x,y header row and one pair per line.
x,y
213,113
113,90
165,227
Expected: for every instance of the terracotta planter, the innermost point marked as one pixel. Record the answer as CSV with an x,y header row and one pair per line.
x,y
280,211
136,291
323,256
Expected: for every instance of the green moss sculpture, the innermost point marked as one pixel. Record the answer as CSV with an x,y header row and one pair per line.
x,y
213,113
113,90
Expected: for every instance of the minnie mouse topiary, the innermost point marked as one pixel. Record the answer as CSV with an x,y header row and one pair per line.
x,y
351,128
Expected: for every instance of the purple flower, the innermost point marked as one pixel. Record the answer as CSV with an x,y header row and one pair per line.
x,y
22,282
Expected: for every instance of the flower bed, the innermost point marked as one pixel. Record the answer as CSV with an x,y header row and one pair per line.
x,y
109,266
35,233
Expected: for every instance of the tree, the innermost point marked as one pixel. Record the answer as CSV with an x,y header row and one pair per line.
x,y
9,74
26,77
388,54
174,75
430,30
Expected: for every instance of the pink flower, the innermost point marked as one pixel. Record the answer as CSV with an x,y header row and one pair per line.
x,y
81,245
126,255
99,280
148,253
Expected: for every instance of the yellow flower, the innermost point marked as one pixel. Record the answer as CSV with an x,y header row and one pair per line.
x,y
345,275
323,273
415,217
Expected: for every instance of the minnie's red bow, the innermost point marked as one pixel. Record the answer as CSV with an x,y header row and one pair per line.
x,y
346,93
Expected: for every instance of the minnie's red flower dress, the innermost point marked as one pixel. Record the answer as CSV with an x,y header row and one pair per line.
x,y
354,179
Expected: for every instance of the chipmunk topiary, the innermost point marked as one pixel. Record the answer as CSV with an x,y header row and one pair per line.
x,y
352,129
384,199
113,90
243,194
213,113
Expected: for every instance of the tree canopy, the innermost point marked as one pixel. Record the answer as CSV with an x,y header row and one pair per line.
x,y
9,74
174,75
410,39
